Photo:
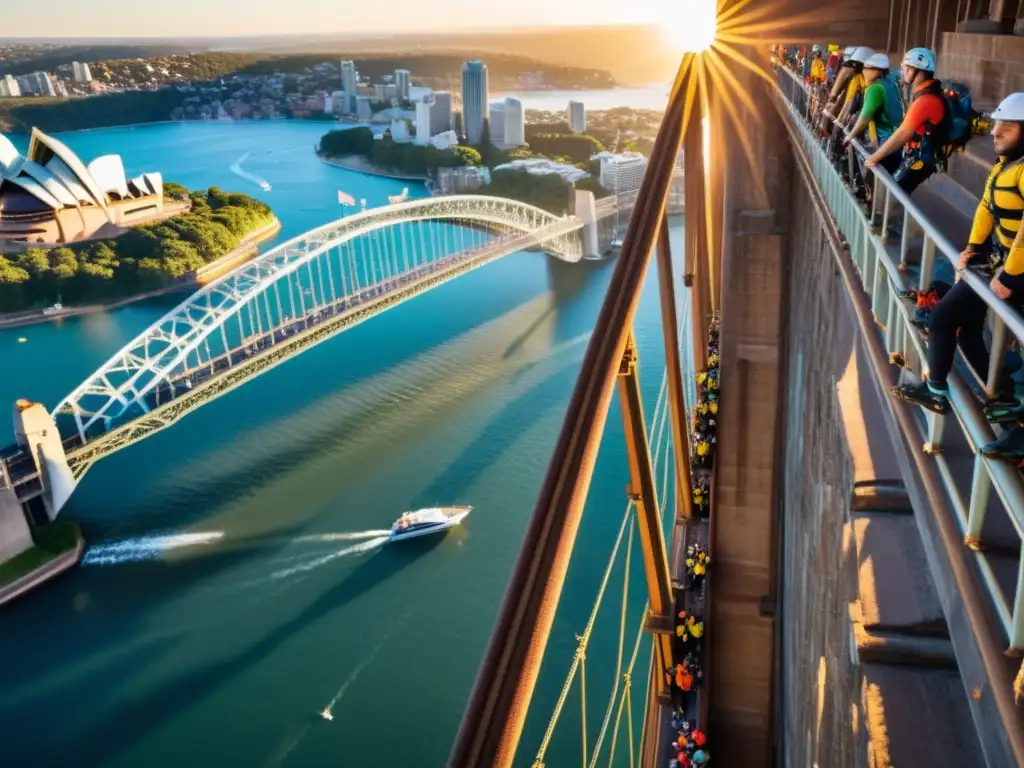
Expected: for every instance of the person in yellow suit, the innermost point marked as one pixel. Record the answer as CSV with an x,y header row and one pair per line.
x,y
996,248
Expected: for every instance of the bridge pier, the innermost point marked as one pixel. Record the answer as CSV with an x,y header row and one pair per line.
x,y
585,209
37,433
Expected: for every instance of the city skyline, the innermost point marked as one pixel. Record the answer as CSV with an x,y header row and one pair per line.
x,y
64,18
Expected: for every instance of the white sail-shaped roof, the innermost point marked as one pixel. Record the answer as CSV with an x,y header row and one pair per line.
x,y
59,168
42,146
108,173
155,181
37,190
52,183
8,155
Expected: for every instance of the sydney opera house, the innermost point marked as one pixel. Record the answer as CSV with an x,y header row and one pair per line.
x,y
50,196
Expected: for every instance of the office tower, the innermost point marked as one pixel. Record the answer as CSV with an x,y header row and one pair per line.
x,y
402,77
496,123
474,100
349,79
577,117
9,87
515,123
622,173
424,109
441,113
81,72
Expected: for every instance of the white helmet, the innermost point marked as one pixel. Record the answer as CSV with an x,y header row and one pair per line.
x,y
1011,108
877,61
862,54
848,51
815,49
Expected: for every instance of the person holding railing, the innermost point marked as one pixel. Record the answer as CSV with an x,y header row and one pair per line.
x,y
996,247
880,115
915,136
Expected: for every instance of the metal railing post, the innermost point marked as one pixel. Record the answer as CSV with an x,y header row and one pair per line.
x,y
674,374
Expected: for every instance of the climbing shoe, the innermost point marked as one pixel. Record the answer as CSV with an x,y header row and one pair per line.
x,y
923,395
1009,445
1004,411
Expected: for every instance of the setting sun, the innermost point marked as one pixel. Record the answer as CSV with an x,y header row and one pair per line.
x,y
690,25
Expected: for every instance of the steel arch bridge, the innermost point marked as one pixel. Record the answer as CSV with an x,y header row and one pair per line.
x,y
288,299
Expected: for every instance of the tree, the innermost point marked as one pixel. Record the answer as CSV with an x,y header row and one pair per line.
x,y
347,141
467,156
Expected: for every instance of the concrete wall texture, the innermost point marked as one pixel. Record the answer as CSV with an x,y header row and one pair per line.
x,y
989,64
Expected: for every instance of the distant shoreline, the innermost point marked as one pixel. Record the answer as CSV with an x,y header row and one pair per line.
x,y
361,165
205,274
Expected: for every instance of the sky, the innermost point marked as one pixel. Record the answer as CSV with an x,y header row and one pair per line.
x,y
201,18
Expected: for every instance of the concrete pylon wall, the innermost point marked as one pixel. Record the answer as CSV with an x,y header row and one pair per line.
x,y
15,536
741,627
35,429
586,211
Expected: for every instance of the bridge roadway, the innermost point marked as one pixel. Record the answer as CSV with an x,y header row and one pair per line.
x,y
290,337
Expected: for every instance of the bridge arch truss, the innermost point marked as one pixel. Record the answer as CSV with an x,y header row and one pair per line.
x,y
342,268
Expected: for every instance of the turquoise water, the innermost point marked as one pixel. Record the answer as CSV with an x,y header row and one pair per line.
x,y
235,586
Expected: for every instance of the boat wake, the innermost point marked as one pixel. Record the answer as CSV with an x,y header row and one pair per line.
x,y
355,536
146,547
236,168
355,549
328,711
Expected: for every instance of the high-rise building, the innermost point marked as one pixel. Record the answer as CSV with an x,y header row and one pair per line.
x,y
515,123
38,83
424,109
577,117
474,100
496,123
507,126
441,113
622,173
349,84
81,72
9,87
402,78
363,109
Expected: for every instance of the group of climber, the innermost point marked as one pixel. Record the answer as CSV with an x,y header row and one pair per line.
x,y
911,143
994,251
689,743
705,424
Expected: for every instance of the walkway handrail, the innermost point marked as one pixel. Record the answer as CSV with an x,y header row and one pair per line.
x,y
951,514
494,717
1006,313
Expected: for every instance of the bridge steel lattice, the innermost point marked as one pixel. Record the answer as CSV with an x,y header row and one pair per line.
x,y
288,299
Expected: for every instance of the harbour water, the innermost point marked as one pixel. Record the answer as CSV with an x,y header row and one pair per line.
x,y
237,585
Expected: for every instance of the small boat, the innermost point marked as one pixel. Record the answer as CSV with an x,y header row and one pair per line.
x,y
425,521
265,185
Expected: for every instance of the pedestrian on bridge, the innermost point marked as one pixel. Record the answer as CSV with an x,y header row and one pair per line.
x,y
996,249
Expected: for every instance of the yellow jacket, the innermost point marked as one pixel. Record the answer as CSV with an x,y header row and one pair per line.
x,y
818,71
1000,212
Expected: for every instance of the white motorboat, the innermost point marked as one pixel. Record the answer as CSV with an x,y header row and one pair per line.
x,y
426,521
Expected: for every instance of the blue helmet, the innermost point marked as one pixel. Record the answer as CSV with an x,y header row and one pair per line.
x,y
920,58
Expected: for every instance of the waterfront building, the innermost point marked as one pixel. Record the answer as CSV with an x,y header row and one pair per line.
x,y
441,113
363,110
50,196
460,180
474,100
328,105
621,173
38,83
577,117
349,84
400,131
81,72
9,87
515,123
424,108
402,78
496,123
541,166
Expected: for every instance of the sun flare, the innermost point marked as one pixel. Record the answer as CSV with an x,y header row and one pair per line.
x,y
690,25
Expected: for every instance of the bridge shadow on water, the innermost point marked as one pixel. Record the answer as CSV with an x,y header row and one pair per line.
x,y
131,720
